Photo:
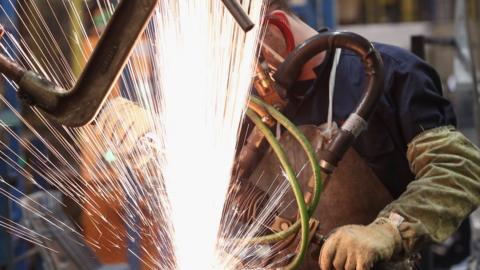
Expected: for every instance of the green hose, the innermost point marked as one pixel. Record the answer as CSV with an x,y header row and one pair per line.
x,y
307,147
302,207
300,137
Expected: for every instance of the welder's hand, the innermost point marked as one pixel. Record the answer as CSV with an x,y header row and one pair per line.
x,y
122,124
360,247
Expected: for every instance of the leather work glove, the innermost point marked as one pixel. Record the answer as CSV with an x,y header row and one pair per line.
x,y
360,247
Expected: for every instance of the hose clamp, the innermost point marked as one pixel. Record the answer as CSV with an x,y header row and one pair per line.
x,y
327,166
355,124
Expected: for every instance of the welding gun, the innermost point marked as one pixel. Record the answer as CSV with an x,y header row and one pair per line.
x,y
79,105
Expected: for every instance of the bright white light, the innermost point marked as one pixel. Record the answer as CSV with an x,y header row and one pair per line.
x,y
205,64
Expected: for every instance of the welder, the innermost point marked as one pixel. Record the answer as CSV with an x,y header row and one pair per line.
x,y
411,146
411,175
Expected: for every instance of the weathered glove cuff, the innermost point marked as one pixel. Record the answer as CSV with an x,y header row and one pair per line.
x,y
392,223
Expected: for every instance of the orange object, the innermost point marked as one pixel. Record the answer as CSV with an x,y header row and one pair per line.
x,y
265,87
102,220
104,214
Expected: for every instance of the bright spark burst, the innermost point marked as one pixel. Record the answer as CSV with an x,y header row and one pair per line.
x,y
203,65
206,68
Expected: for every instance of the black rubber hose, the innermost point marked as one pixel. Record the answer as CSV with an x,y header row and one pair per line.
x,y
289,71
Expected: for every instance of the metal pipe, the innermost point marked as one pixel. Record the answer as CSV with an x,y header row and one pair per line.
x,y
10,69
78,106
239,14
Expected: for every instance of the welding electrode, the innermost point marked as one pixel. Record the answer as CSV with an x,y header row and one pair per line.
x,y
239,14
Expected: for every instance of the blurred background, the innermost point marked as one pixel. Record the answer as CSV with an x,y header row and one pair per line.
x,y
446,33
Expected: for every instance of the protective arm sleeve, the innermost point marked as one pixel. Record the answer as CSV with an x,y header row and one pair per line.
x,y
446,189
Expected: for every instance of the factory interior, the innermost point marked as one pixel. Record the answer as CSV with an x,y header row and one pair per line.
x,y
239,134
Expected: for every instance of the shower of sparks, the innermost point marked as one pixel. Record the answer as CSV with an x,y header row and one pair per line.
x,y
191,74
205,66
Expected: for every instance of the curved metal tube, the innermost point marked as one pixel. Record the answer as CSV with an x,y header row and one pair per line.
x,y
288,73
80,105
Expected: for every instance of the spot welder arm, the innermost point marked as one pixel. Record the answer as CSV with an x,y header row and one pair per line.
x,y
289,71
79,105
